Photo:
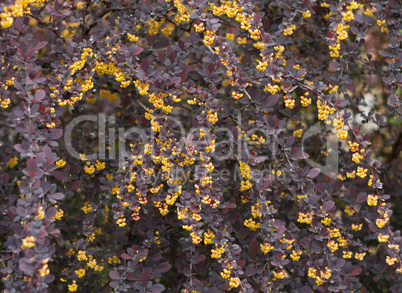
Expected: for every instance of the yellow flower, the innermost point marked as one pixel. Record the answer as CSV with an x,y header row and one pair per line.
x,y
266,247
312,273
372,200
356,227
28,242
382,238
61,163
390,261
342,134
82,255
306,14
230,36
12,162
73,287
360,256
289,30
347,254
80,273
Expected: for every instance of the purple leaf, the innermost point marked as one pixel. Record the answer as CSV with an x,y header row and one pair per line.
x,y
328,205
313,173
40,95
114,275
163,267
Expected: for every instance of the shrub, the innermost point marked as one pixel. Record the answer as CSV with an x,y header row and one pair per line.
x,y
200,146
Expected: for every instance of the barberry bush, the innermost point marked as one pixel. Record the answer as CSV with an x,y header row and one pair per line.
x,y
200,146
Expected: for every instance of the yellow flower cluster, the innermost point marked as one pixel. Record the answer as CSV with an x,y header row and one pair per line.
x,y
340,29
195,238
103,68
199,27
208,236
245,185
334,233
356,227
381,23
209,38
298,133
382,238
241,41
382,222
154,26
212,116
348,16
87,207
82,255
28,242
79,64
5,102
361,172
234,282
73,287
295,255
305,101
338,123
289,29
289,102
44,270
266,247
142,87
306,14
357,157
121,221
245,170
305,218
61,163
326,221
168,29
342,134
12,162
273,89
261,66
372,200
259,45
391,260
251,224
323,110
332,245
353,146
59,213
218,251
16,10
360,256
80,273
347,254
237,95
132,38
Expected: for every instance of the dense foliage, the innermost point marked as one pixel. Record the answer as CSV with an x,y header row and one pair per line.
x,y
200,146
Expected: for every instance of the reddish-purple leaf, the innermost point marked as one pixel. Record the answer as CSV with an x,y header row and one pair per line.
x,y
126,256
328,205
145,277
137,51
58,196
253,247
75,184
163,267
40,95
356,271
272,100
313,173
114,275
